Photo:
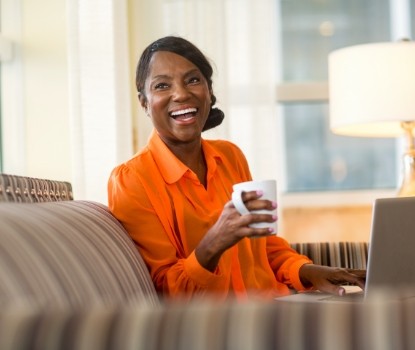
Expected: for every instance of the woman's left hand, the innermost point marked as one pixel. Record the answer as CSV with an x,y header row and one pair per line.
x,y
329,279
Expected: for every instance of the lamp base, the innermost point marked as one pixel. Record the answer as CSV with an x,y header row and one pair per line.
x,y
407,188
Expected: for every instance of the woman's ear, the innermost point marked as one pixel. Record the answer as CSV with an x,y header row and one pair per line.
x,y
143,100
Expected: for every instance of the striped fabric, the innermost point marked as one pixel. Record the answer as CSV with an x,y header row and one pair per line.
x,y
337,254
205,325
71,278
68,253
24,189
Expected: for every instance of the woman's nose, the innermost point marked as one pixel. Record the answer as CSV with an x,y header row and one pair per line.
x,y
180,92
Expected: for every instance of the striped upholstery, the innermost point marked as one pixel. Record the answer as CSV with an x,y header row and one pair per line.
x,y
71,278
68,253
205,325
15,188
337,254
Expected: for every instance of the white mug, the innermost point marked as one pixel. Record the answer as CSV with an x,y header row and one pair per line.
x,y
268,187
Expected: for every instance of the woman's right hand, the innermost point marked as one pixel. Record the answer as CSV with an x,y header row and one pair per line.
x,y
231,227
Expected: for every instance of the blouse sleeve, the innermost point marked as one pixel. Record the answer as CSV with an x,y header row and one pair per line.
x,y
285,262
172,273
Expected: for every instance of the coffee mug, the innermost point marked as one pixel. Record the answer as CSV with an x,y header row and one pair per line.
x,y
268,187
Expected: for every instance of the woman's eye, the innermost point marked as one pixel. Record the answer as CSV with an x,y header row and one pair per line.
x,y
194,80
160,86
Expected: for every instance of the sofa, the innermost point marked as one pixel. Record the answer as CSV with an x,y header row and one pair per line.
x,y
71,278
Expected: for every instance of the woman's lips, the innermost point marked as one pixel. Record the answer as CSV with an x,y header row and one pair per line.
x,y
184,114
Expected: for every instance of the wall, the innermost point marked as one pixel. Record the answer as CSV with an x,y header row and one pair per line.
x,y
315,224
36,139
46,89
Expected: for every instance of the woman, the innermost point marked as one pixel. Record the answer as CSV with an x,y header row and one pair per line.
x,y
173,197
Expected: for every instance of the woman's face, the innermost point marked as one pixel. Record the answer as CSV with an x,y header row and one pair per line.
x,y
177,98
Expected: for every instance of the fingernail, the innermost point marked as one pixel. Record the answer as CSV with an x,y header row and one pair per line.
x,y
274,204
259,193
274,217
271,230
341,291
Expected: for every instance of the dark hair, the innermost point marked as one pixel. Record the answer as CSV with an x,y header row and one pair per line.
x,y
189,51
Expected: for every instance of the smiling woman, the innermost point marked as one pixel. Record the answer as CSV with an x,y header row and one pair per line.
x,y
174,196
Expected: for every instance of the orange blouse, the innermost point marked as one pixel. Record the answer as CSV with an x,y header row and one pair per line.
x,y
167,211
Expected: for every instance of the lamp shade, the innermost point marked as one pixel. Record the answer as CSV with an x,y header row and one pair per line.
x,y
372,89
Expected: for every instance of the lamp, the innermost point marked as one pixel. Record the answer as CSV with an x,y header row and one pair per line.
x,y
372,94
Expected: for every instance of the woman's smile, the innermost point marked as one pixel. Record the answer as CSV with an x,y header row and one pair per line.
x,y
185,116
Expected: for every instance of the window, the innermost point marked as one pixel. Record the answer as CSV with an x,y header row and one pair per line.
x,y
316,159
412,7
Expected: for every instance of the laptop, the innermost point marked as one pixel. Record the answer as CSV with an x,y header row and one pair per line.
x,y
391,265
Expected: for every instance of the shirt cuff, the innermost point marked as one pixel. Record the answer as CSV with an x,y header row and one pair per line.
x,y
295,274
200,275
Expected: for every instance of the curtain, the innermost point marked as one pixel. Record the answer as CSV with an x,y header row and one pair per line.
x,y
100,102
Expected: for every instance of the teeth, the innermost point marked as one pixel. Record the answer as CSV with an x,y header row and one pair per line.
x,y
184,111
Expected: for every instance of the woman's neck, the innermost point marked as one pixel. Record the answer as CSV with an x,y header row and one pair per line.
x,y
193,157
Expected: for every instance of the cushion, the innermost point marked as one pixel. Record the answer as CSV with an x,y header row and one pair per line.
x,y
69,253
351,255
208,324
